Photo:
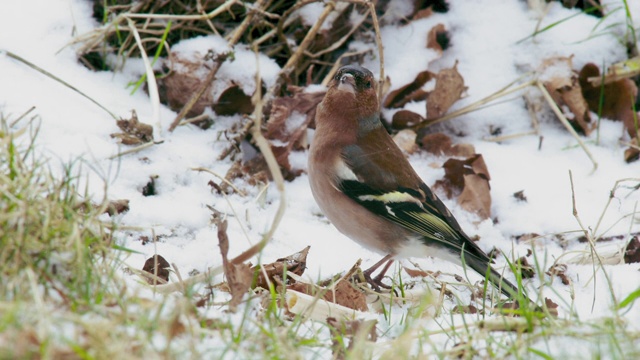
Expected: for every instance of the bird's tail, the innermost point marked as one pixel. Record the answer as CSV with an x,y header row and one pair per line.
x,y
505,286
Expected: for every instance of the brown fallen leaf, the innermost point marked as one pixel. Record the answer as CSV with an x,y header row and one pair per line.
x,y
416,272
185,76
470,178
409,92
614,100
133,131
632,251
239,276
527,271
563,84
233,101
404,119
449,88
275,271
466,309
117,207
159,267
441,144
476,196
436,38
559,270
632,153
436,143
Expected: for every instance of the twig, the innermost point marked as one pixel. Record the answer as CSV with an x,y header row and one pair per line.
x,y
566,124
288,68
151,79
510,136
376,27
136,149
592,246
240,192
473,107
256,131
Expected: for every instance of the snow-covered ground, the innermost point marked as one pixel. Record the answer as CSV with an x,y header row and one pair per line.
x,y
484,41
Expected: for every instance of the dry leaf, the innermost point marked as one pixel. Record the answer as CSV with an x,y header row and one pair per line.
x,y
404,119
436,143
632,153
471,177
448,90
527,271
133,131
563,85
467,309
117,207
233,101
416,272
618,97
295,263
182,81
476,196
441,144
158,266
410,92
559,270
239,276
434,38
632,252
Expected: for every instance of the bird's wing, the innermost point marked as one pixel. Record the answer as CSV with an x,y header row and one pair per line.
x,y
398,194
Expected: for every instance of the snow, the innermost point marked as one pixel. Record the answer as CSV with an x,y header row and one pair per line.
x,y
485,40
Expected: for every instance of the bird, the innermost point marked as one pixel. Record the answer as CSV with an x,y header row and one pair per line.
x,y
369,191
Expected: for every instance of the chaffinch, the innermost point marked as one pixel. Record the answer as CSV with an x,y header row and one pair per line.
x,y
366,187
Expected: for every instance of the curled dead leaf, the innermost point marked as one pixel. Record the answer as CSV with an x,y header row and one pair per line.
x,y
117,207
470,178
133,131
563,85
238,276
276,271
159,267
559,270
404,119
233,101
409,92
184,78
632,251
441,144
614,100
449,89
438,39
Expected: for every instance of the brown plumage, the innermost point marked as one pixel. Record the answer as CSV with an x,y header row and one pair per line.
x,y
367,188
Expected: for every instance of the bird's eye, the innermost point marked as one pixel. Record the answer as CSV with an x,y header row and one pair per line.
x,y
368,84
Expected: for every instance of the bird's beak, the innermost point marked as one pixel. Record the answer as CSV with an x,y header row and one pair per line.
x,y
347,83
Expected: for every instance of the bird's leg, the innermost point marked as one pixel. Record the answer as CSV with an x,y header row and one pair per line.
x,y
376,282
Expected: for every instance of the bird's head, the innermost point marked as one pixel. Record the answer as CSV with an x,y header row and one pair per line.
x,y
354,87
